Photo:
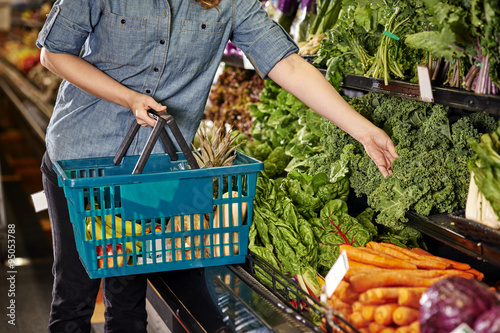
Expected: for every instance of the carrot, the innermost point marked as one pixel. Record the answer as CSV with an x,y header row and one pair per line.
x,y
388,250
451,272
368,312
404,315
388,330
357,306
399,252
354,263
362,255
341,287
375,327
404,329
338,305
454,264
363,282
361,270
383,313
345,292
423,259
415,326
357,320
410,297
380,295
430,264
363,330
476,273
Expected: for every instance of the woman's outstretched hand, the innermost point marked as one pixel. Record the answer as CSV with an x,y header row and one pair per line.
x,y
380,148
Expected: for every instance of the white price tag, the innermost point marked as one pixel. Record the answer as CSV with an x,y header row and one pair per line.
x,y
336,274
39,201
424,82
463,328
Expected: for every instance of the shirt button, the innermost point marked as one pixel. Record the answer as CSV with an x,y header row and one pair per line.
x,y
156,69
148,91
123,21
162,41
203,26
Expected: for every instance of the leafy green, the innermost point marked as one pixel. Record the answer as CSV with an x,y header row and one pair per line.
x,y
285,132
327,14
485,164
464,33
276,162
335,227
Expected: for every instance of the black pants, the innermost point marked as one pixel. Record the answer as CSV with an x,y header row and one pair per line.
x,y
74,293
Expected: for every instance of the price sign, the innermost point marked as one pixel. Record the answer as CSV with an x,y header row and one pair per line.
x,y
336,274
424,82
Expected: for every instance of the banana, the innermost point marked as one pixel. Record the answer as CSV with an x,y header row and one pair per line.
x,y
109,230
119,226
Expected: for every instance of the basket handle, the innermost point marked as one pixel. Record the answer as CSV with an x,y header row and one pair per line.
x,y
158,131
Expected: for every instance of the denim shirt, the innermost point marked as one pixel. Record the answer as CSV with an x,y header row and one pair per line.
x,y
168,49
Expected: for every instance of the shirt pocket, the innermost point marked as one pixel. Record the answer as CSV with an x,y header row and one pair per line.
x,y
123,39
198,44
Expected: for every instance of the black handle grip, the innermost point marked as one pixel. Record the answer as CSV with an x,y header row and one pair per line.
x,y
158,131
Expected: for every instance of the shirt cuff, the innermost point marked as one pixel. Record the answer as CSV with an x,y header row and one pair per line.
x,y
58,35
275,45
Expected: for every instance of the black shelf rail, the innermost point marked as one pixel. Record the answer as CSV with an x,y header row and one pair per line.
x,y
290,293
452,97
449,230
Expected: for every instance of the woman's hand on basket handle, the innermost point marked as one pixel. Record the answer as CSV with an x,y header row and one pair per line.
x,y
95,82
310,86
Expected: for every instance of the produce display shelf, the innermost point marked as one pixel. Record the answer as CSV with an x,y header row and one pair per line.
x,y
29,100
222,299
449,230
26,23
292,295
452,97
248,297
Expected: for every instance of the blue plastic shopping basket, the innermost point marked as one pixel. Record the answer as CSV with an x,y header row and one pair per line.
x,y
151,213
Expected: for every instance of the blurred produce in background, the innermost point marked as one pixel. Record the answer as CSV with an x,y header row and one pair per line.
x,y
231,96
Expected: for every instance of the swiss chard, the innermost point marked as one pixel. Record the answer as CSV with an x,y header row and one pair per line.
x,y
335,227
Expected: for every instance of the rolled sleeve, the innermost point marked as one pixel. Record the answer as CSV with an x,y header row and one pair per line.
x,y
67,27
263,40
273,46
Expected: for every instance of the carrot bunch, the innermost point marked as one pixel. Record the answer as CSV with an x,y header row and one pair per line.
x,y
380,292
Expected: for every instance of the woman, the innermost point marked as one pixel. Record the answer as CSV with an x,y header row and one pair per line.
x,y
121,58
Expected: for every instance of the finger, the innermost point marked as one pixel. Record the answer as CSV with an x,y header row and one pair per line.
x,y
157,107
143,119
150,121
392,152
383,170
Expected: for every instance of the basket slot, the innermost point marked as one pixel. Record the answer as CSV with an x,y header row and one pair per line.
x,y
105,197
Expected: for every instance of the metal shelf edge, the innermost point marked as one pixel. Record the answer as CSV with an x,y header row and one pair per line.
x,y
25,88
436,226
457,98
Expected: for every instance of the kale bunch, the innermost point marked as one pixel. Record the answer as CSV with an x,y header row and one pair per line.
x,y
430,175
